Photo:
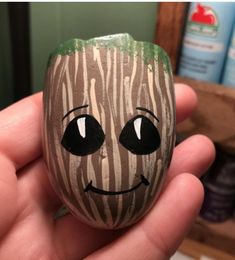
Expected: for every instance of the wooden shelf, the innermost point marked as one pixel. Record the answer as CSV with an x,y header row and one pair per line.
x,y
214,115
217,235
198,250
170,25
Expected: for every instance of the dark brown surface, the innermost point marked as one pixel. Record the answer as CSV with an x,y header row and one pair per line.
x,y
214,115
20,45
169,28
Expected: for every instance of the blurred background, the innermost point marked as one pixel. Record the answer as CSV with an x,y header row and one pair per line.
x,y
30,31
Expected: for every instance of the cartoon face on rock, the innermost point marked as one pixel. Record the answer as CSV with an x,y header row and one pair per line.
x,y
109,122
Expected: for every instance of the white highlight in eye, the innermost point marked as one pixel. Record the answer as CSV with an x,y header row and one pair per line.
x,y
137,126
81,122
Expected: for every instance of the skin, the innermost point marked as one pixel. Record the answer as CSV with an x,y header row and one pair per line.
x,y
27,201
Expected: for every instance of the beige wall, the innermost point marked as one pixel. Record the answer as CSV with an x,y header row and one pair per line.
x,y
53,23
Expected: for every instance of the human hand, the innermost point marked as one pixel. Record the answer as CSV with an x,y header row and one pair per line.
x,y
27,228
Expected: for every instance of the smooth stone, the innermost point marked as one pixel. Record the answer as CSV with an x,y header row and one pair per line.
x,y
109,127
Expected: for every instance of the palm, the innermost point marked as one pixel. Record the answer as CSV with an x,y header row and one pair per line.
x,y
28,203
31,233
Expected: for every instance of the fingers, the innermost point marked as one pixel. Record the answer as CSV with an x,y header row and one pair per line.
x,y
72,229
186,101
35,189
19,144
194,155
162,230
68,230
20,138
9,192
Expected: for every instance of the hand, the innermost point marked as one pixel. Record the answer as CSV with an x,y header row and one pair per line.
x,y
28,203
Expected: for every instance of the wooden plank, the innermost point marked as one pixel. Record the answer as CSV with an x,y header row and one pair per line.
x,y
169,28
198,250
215,114
217,235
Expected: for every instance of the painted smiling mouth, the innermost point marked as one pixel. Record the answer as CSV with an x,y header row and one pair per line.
x,y
89,187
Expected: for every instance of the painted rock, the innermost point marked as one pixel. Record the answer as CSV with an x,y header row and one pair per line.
x,y
109,127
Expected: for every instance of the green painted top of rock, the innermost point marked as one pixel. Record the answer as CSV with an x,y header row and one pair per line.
x,y
123,42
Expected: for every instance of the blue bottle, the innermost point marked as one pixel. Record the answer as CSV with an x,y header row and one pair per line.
x,y
229,71
206,38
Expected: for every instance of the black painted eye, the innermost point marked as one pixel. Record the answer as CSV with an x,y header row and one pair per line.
x,y
83,135
140,136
